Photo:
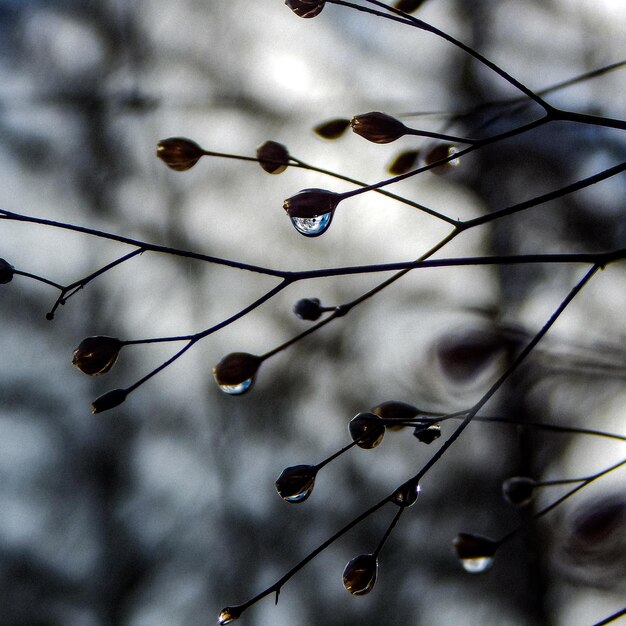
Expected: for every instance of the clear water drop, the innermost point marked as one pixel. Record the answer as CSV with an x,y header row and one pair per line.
x,y
237,390
477,565
313,226
228,615
296,483
359,575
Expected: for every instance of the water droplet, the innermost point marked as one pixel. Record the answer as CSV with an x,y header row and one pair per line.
x,y
518,490
367,430
477,565
228,615
237,390
359,575
296,483
427,434
406,495
313,226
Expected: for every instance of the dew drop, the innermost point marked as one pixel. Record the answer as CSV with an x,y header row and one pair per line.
x,y
237,390
359,575
228,615
296,483
312,226
477,565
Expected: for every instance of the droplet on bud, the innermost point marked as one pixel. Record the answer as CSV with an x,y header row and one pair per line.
x,y
228,615
439,152
236,372
306,8
406,494
109,400
332,129
404,162
474,552
312,226
179,153
359,575
6,272
311,203
97,355
367,430
308,309
518,490
273,157
295,483
378,127
427,434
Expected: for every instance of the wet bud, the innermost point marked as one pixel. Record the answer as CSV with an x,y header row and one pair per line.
x,y
273,157
310,203
442,151
332,129
406,494
179,153
295,484
109,400
378,127
6,272
236,372
475,552
367,430
97,355
228,615
518,490
404,162
408,6
427,434
308,309
359,575
306,8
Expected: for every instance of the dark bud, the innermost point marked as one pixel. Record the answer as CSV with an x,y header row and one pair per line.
x,y
310,203
235,373
427,434
295,484
378,127
475,552
332,129
359,575
308,309
395,410
229,614
178,153
518,490
273,157
367,430
97,355
6,272
439,152
408,6
406,494
109,400
306,8
404,162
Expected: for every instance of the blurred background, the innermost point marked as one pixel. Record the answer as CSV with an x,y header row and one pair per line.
x,y
163,510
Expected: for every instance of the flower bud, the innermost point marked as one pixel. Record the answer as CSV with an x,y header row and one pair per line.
x,y
178,153
359,575
408,6
427,434
395,410
308,309
109,400
378,127
310,203
332,129
518,490
228,615
367,430
403,162
475,552
6,272
295,483
235,373
273,157
306,8
442,151
97,355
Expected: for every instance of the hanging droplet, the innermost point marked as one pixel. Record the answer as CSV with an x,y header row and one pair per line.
x,y
295,483
475,552
427,434
237,390
518,490
406,495
359,575
236,372
228,615
312,226
367,430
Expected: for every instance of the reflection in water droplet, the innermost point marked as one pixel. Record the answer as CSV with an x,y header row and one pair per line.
x,y
406,495
296,483
477,565
359,575
313,226
228,615
237,390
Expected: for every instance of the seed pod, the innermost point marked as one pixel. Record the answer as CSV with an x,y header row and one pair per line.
x,y
359,575
395,410
236,372
306,8
6,272
109,400
308,309
310,203
332,129
273,157
378,127
178,153
295,483
367,430
97,355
